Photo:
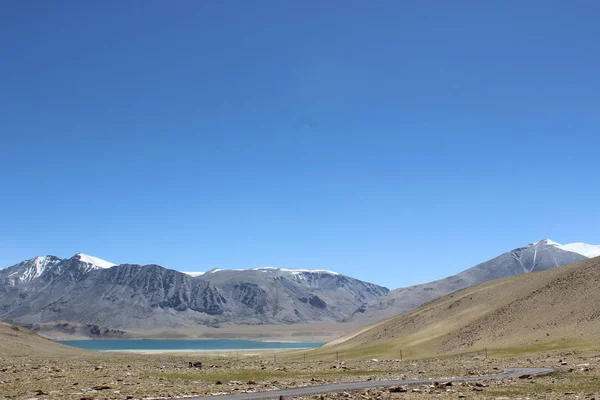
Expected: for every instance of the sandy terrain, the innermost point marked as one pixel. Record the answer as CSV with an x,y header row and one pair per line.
x,y
554,309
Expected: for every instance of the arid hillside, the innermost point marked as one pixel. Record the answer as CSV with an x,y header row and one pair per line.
x,y
558,308
18,341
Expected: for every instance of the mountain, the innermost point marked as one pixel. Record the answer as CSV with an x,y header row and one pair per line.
x,y
553,309
538,256
84,290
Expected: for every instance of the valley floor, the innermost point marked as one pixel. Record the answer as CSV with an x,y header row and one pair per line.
x,y
134,376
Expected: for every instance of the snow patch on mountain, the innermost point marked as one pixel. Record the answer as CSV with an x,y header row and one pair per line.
x,y
95,261
586,250
193,274
295,271
38,266
292,271
215,270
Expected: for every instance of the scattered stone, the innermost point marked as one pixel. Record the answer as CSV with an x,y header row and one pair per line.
x,y
398,389
98,368
218,383
101,387
525,376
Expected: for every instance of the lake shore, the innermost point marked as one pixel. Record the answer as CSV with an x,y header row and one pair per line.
x,y
309,332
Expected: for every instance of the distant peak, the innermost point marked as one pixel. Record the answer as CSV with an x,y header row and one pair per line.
x,y
94,261
548,242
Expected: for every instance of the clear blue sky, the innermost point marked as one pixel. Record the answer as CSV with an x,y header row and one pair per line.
x,y
393,141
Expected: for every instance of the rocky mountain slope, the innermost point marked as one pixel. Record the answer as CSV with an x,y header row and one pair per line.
x,y
557,308
538,256
91,291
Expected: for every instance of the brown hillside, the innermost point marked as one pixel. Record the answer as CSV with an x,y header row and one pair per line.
x,y
18,341
558,308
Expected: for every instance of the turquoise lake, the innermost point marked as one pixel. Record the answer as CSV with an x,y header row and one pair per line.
x,y
208,344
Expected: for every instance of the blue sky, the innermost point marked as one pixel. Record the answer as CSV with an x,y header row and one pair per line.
x,y
393,141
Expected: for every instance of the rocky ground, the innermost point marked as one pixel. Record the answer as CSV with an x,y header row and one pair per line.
x,y
124,376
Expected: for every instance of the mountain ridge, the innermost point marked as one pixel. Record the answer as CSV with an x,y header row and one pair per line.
x,y
537,256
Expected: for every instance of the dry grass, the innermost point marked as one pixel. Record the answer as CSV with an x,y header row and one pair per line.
x,y
15,341
555,309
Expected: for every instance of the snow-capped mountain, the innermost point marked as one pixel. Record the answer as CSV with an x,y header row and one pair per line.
x,y
537,256
88,290
28,270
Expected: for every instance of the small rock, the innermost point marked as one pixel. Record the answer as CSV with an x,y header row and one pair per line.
x,y
253,383
101,387
98,368
218,383
398,389
525,376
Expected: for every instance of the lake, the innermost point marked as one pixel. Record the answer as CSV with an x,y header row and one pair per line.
x,y
205,344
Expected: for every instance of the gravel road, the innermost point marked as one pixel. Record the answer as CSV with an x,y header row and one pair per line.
x,y
348,386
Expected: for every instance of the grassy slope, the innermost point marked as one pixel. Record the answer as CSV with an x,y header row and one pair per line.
x,y
558,308
17,341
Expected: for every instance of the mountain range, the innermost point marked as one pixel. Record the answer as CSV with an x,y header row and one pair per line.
x,y
87,290
97,297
